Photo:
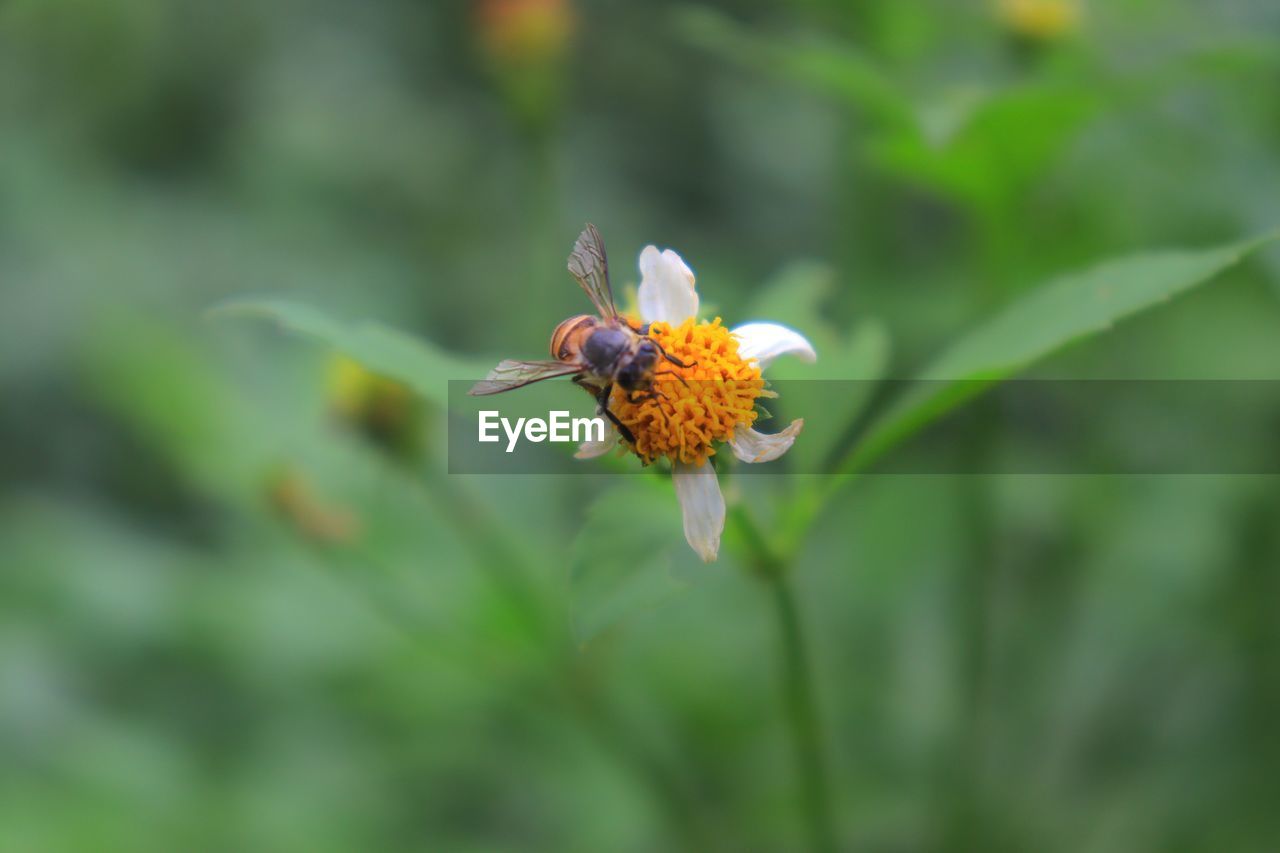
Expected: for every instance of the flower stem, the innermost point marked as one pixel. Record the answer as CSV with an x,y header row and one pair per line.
x,y
773,568
806,730
798,696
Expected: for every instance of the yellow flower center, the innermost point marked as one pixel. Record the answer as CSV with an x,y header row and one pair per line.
x,y
681,419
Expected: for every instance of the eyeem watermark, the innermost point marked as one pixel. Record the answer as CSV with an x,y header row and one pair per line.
x,y
558,427
1030,426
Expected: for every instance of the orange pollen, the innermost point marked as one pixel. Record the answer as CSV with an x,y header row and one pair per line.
x,y
682,419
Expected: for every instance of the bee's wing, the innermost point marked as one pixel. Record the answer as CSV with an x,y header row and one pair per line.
x,y
511,374
590,266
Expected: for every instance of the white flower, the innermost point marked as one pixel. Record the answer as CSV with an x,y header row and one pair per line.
x,y
667,296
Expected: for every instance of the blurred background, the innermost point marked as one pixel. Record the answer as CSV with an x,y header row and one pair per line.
x,y
243,607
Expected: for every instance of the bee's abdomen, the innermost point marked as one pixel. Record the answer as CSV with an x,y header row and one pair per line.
x,y
567,339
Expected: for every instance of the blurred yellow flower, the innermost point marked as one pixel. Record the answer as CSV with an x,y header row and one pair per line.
x,y
383,410
1040,20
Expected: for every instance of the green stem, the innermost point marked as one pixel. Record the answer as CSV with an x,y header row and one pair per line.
x,y
797,681
802,712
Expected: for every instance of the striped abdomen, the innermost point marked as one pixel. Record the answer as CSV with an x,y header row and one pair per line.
x,y
567,339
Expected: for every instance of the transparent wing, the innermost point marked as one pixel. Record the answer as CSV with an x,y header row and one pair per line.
x,y
590,266
511,374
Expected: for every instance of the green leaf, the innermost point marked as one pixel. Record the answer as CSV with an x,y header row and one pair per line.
x,y
1067,309
165,387
386,351
845,378
626,556
818,63
979,147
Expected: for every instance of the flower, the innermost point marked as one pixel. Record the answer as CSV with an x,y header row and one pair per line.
x,y
384,411
525,32
1040,20
525,45
709,399
298,503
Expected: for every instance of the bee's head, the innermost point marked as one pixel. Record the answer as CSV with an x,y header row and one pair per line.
x,y
637,374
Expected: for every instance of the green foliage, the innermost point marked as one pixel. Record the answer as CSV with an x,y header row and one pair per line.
x,y
980,148
831,393
625,558
1061,312
230,620
388,352
822,64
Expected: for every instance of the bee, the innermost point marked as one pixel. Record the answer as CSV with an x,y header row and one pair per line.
x,y
599,351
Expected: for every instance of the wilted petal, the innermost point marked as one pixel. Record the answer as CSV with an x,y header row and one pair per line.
x,y
592,448
766,341
751,446
666,287
702,505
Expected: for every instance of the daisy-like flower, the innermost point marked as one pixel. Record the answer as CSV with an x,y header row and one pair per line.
x,y
709,401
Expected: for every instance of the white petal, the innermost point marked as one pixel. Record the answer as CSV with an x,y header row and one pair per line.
x,y
591,448
751,446
666,287
703,507
766,341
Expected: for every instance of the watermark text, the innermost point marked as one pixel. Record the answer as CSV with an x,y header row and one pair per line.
x,y
559,426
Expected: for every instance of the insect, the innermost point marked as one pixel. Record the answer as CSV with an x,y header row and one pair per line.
x,y
598,351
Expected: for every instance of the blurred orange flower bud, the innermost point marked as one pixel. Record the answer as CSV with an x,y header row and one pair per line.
x,y
525,32
295,500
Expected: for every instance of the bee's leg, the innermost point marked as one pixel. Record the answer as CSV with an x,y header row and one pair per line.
x,y
602,400
683,381
634,397
671,358
643,330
